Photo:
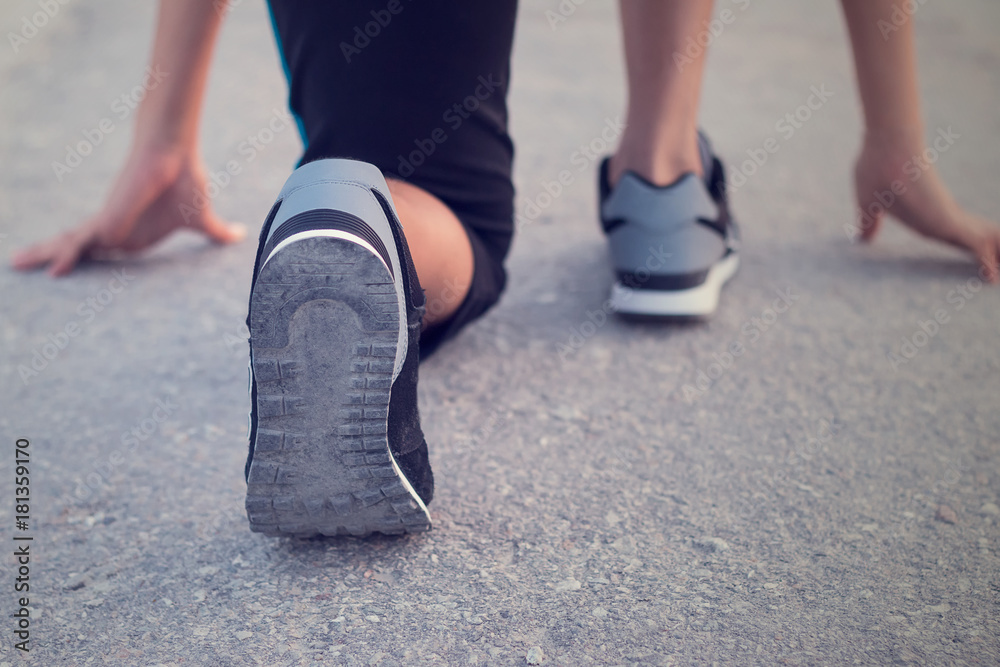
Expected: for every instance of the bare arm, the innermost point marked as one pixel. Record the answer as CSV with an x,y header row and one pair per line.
x,y
890,175
186,32
885,61
163,171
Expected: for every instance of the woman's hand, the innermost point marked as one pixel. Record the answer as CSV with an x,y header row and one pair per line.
x,y
890,177
156,193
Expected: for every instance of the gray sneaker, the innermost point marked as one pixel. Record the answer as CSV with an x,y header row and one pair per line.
x,y
673,246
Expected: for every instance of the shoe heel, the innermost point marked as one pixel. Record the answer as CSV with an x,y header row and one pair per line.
x,y
324,330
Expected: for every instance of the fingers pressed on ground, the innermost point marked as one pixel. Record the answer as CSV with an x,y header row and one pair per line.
x,y
66,256
870,231
30,258
220,231
868,223
989,257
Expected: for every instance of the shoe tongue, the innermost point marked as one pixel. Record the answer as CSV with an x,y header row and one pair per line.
x,y
639,201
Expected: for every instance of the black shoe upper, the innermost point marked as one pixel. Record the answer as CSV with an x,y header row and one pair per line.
x,y
406,438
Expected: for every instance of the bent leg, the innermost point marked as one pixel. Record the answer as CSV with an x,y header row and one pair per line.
x,y
440,246
419,92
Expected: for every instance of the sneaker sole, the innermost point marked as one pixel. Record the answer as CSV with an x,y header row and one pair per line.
x,y
325,326
692,302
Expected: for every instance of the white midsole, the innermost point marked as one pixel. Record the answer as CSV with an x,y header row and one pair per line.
x,y
700,300
406,483
329,233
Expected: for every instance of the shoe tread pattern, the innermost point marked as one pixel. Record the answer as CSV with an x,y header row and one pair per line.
x,y
321,463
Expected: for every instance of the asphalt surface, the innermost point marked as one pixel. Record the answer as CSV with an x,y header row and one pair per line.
x,y
807,502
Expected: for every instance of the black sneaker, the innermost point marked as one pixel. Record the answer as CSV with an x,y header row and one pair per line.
x,y
335,312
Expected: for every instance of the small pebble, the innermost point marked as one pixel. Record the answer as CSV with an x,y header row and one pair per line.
x,y
712,543
946,514
535,656
568,585
990,508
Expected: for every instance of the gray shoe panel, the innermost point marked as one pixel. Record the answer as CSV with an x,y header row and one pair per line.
x,y
342,184
661,233
336,169
682,249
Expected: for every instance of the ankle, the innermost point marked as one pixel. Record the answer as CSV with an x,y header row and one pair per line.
x,y
659,170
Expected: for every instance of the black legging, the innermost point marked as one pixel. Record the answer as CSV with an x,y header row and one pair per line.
x,y
417,88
